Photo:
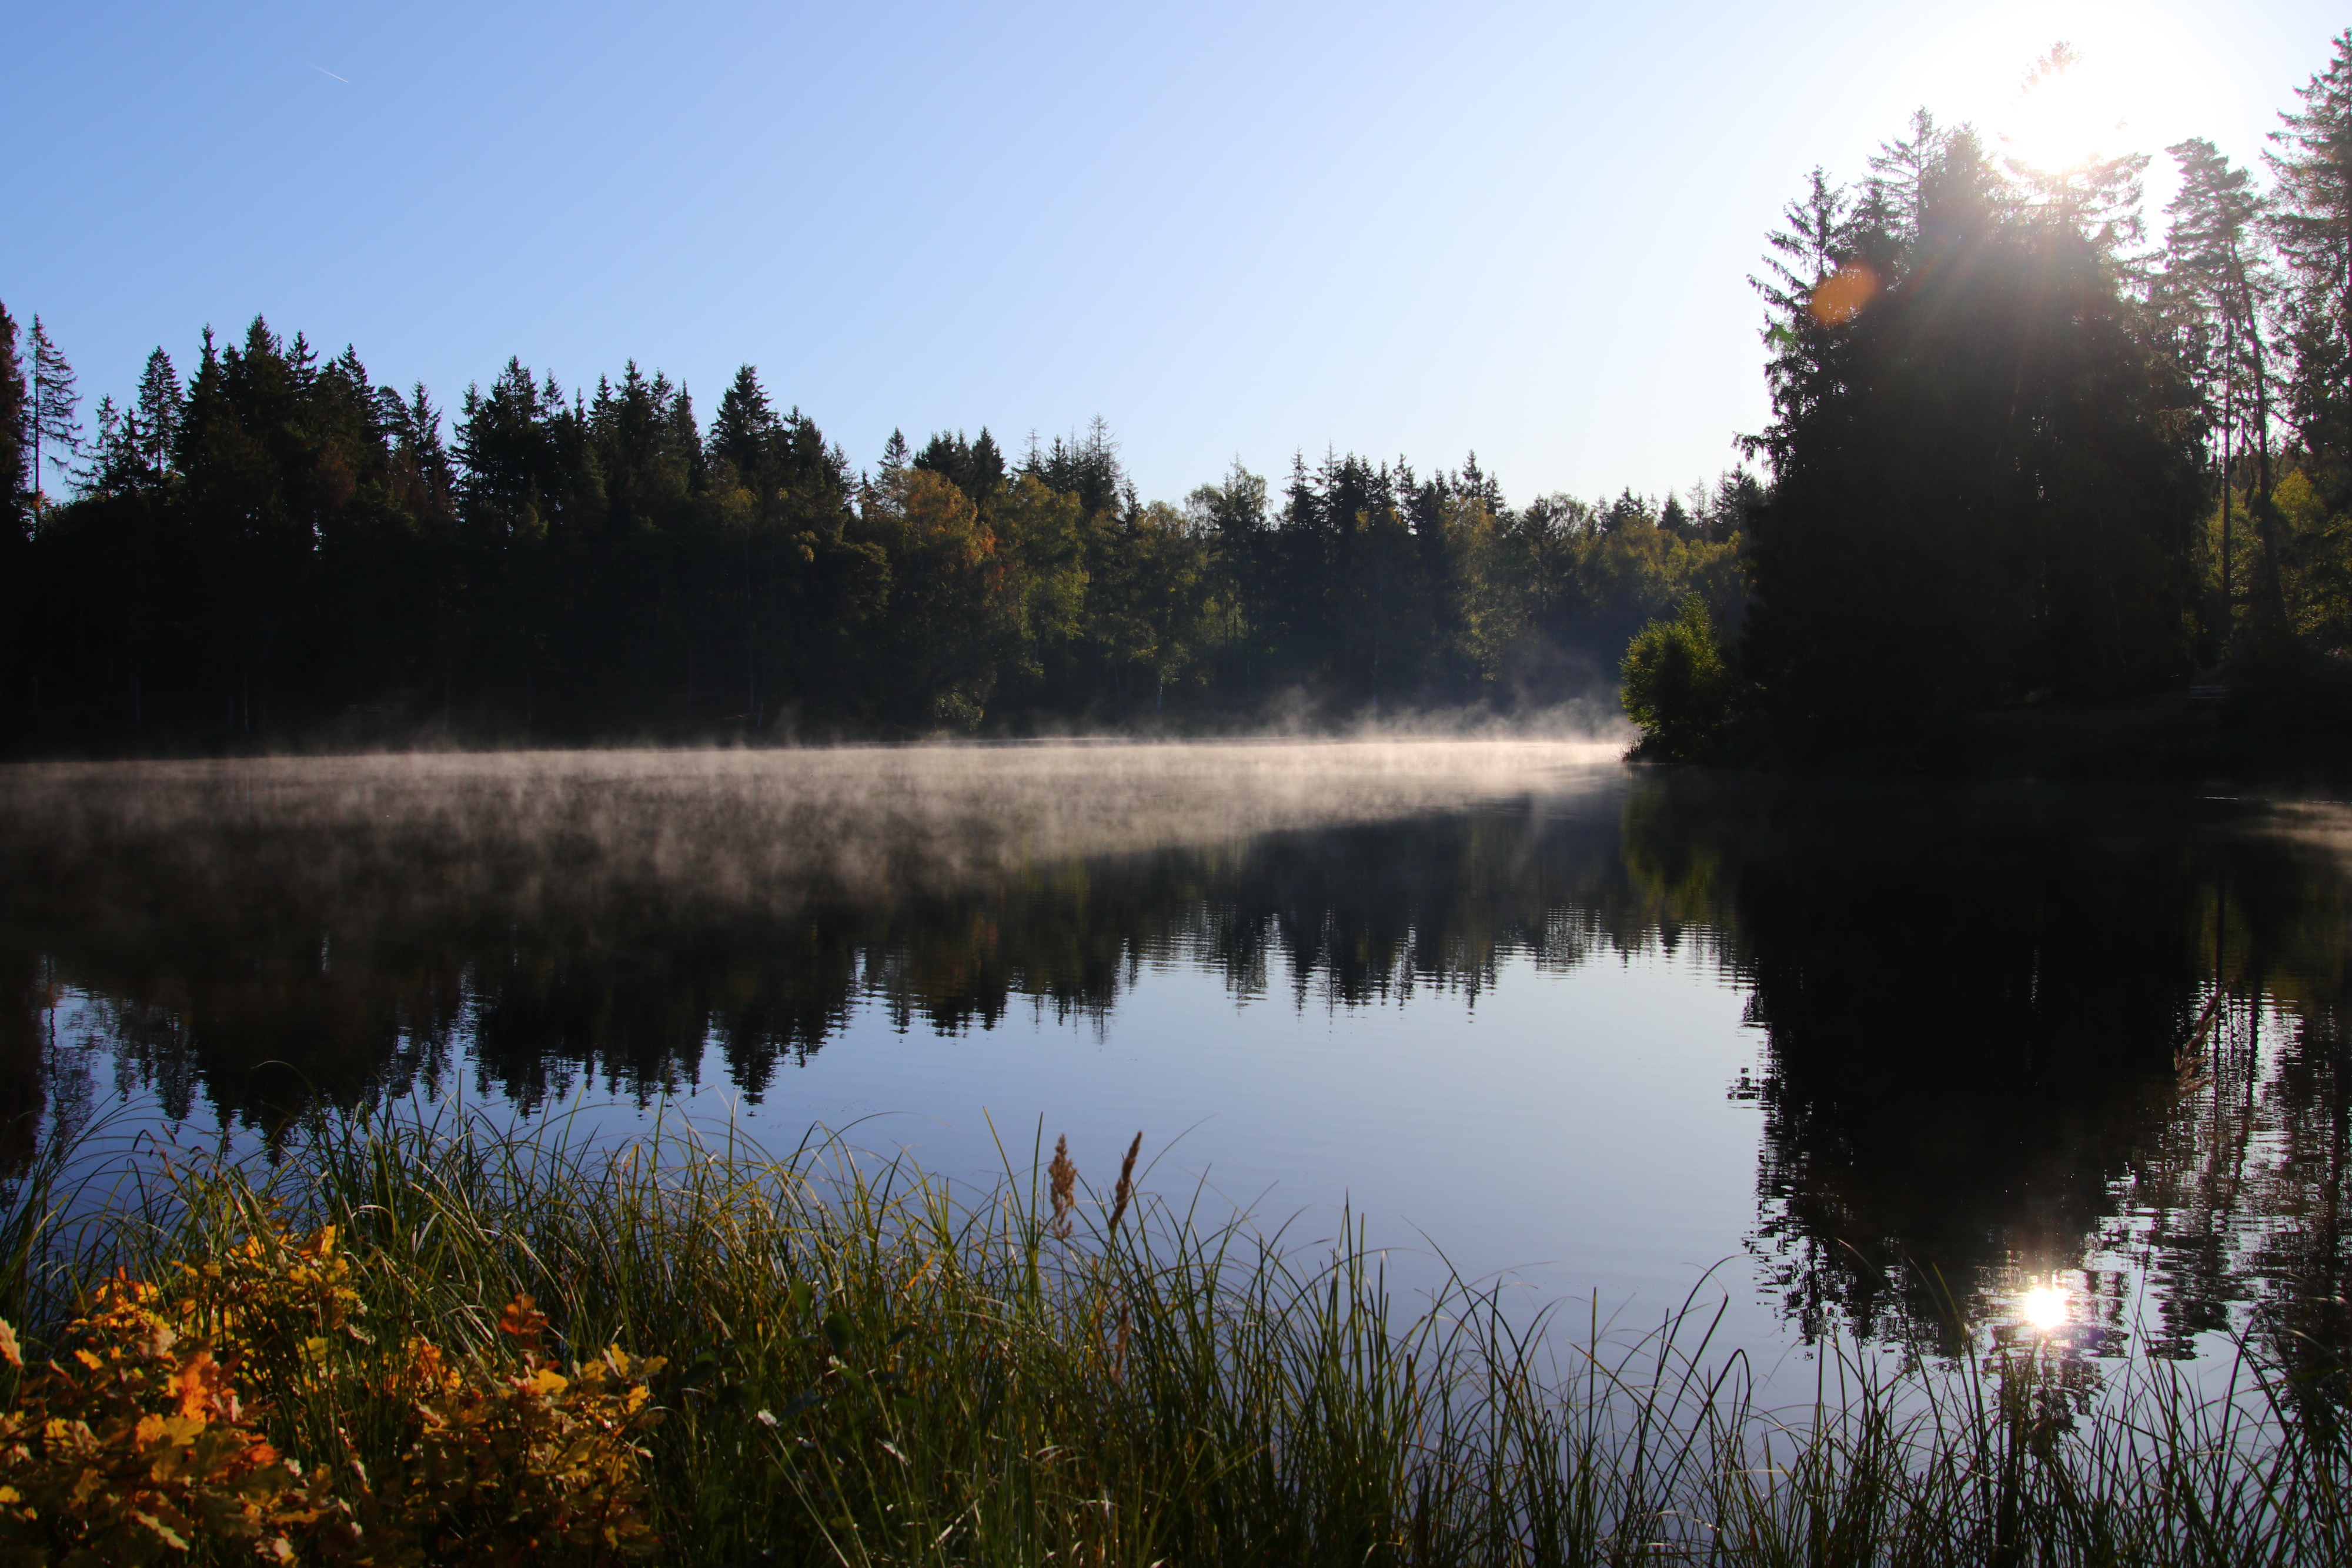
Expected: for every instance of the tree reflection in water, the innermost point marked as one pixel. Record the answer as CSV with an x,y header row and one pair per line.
x,y
2014,1032
2012,1035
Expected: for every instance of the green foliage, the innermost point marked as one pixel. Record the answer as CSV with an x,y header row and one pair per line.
x,y
1678,685
281,547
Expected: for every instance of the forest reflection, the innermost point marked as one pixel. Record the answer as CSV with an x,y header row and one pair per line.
x,y
2005,1032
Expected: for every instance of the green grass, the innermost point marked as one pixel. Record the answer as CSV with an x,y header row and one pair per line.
x,y
866,1367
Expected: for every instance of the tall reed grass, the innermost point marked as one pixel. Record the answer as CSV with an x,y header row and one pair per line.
x,y
865,1366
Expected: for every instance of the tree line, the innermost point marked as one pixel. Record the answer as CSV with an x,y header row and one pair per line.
x,y
2022,451
275,546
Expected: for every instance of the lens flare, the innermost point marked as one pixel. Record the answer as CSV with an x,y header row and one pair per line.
x,y
1839,298
2044,1306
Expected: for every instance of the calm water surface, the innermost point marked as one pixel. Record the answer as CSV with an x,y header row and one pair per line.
x,y
1868,1059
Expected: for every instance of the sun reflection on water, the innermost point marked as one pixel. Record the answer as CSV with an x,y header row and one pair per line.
x,y
2044,1306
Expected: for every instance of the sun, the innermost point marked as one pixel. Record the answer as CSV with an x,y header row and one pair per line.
x,y
2069,111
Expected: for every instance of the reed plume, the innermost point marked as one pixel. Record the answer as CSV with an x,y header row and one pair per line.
x,y
1064,1177
1125,1186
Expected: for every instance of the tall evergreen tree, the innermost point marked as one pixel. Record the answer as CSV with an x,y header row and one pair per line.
x,y
16,427
424,476
161,404
1981,468
54,402
746,430
2311,158
118,456
975,467
510,448
1087,466
2215,265
18,637
1901,172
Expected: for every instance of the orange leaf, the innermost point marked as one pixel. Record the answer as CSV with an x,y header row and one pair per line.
x,y
202,1385
522,1319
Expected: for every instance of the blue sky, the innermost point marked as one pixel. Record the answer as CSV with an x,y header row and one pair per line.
x,y
1232,231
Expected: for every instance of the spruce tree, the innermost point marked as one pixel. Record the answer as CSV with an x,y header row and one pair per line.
x,y
975,467
747,426
1900,172
425,478
118,462
1980,471
161,404
896,456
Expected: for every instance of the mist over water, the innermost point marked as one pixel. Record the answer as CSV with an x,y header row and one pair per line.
x,y
1884,1057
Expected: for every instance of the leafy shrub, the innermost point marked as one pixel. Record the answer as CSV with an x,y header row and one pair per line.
x,y
1678,684
139,1446
512,1468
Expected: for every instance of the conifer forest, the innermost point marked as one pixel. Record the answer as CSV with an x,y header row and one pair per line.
x,y
2031,441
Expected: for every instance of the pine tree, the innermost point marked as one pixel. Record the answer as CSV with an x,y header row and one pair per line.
x,y
55,401
2214,265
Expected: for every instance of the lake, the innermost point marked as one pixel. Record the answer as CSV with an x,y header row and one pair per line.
x,y
1887,1062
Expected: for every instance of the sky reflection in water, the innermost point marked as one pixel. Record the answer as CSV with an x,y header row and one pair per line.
x,y
1870,1052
